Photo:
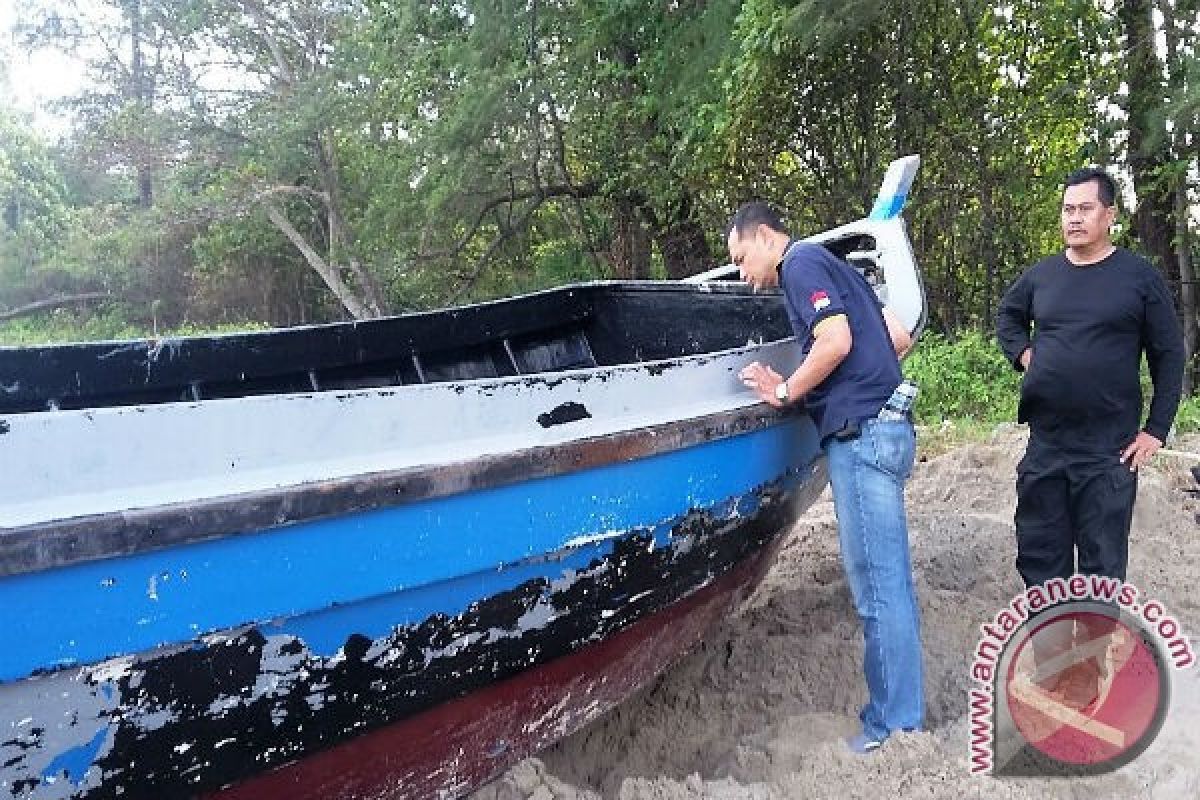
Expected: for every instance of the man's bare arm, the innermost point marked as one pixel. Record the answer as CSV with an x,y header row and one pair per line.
x,y
832,344
901,338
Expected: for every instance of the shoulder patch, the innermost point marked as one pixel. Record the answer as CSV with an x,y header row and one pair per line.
x,y
819,300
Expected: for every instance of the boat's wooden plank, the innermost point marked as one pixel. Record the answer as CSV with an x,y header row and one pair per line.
x,y
512,357
461,365
651,326
559,351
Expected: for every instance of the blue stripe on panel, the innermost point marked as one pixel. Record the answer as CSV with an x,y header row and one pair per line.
x,y
889,207
325,631
87,612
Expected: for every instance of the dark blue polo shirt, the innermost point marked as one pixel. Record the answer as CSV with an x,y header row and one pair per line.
x,y
818,285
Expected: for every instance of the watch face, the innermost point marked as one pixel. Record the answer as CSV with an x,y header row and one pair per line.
x,y
781,392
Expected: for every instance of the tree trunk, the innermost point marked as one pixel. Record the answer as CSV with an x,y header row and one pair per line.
x,y
629,247
684,249
141,98
1177,71
1187,280
328,272
339,235
51,303
1149,146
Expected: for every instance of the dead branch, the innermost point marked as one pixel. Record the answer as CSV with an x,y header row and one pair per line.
x,y
51,303
327,271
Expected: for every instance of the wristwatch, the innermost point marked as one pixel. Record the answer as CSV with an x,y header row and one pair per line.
x,y
781,392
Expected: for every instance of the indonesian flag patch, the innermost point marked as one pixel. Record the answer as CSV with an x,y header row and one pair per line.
x,y
819,300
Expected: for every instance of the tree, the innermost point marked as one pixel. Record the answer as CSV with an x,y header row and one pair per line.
x,y
33,200
1180,19
997,100
1159,151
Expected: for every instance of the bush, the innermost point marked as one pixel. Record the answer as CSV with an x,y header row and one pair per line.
x,y
968,378
1187,420
63,326
963,378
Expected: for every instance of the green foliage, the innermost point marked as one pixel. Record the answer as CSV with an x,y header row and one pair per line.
x,y
997,99
963,378
968,384
107,325
65,327
1187,420
33,199
461,149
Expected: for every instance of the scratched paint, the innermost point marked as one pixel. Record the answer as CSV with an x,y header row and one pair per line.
x,y
358,563
183,718
170,672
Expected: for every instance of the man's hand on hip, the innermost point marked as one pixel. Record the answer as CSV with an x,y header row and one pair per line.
x,y
1143,447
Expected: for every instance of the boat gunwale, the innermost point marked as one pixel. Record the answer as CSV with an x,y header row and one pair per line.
x,y
548,377
733,287
42,546
585,297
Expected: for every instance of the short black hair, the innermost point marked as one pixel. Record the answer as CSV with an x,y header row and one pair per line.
x,y
750,215
1106,186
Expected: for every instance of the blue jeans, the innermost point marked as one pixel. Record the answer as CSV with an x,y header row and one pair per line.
x,y
867,475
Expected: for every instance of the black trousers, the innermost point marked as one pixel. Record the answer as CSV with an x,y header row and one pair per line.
x,y
1069,502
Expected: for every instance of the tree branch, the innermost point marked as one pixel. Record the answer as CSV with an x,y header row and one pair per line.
x,y
546,192
504,236
49,303
327,271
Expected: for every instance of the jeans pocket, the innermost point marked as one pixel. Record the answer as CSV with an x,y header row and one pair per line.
x,y
895,447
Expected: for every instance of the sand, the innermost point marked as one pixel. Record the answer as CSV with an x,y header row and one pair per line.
x,y
759,710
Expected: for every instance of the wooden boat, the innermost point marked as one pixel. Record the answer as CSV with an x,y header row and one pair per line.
x,y
386,558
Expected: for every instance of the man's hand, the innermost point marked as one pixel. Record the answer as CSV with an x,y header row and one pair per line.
x,y
1026,356
1140,450
763,381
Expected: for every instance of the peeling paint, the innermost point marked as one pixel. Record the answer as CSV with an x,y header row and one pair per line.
x,y
564,413
580,541
75,762
168,455
235,702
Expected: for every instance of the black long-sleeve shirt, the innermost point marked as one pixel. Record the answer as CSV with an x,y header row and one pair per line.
x,y
1091,324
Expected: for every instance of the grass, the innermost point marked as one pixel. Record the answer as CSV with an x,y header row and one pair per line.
x,y
950,434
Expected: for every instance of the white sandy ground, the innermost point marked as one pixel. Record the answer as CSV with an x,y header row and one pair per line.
x,y
759,710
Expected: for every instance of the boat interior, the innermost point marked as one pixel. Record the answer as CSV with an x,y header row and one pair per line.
x,y
572,327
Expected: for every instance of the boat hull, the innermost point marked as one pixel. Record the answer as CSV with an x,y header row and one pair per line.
x,y
563,564
465,742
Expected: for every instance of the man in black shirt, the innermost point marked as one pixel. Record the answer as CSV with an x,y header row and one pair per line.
x,y
1094,309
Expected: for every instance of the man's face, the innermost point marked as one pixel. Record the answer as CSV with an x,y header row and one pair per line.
x,y
752,255
1085,220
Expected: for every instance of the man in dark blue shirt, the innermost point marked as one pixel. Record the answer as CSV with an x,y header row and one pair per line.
x,y
849,373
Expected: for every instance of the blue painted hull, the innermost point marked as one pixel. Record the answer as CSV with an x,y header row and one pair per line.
x,y
185,669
